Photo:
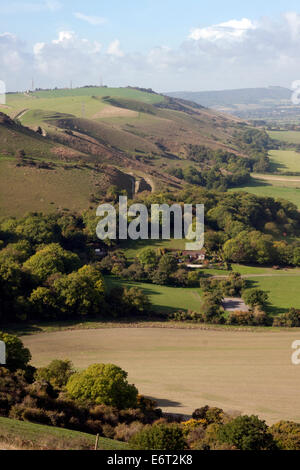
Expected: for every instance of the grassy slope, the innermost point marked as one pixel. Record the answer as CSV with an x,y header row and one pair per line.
x,y
146,141
40,189
38,435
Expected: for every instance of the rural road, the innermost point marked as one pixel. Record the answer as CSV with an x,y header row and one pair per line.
x,y
276,178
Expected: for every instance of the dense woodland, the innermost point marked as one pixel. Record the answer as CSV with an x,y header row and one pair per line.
x,y
49,269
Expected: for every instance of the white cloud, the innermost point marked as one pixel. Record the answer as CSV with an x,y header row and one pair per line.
x,y
234,54
114,49
64,37
232,30
93,20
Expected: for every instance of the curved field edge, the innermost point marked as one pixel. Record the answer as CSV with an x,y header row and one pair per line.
x,y
188,368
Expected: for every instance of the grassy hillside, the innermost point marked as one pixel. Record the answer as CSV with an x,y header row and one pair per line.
x,y
24,435
141,134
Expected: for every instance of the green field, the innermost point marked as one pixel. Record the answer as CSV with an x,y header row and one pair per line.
x,y
183,369
291,137
276,185
287,189
285,160
164,298
77,101
20,433
283,289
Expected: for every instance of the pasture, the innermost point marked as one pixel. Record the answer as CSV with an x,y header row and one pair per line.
x,y
283,289
285,160
163,298
184,369
81,102
291,137
278,187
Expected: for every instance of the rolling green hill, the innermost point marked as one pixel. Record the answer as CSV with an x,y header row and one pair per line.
x,y
77,143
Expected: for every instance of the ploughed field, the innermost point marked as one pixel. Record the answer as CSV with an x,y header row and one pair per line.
x,y
183,369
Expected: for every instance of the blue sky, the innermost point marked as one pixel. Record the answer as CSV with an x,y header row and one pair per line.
x,y
138,24
169,44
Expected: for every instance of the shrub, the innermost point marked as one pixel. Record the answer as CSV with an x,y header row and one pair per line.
x,y
246,433
255,297
12,389
124,432
286,435
257,318
208,415
290,319
103,384
159,437
108,431
104,413
193,424
57,373
187,316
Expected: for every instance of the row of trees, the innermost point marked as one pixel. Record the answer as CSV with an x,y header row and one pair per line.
x,y
155,266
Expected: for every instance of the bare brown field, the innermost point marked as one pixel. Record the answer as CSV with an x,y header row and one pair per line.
x,y
183,369
113,111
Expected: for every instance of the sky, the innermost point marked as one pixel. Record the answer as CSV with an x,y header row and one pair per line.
x,y
167,45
